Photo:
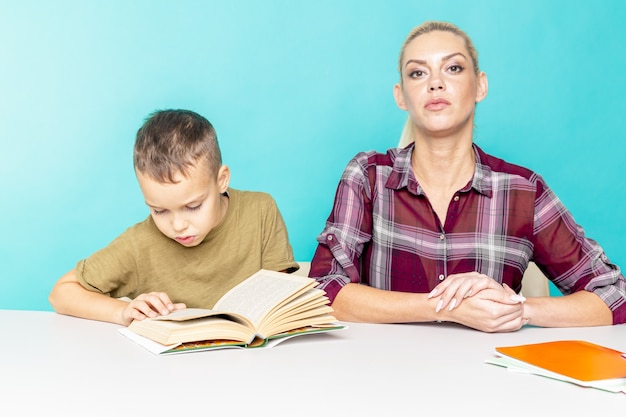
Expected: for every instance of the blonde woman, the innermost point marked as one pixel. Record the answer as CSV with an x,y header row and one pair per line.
x,y
442,231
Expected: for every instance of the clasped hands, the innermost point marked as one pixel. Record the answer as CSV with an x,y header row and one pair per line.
x,y
478,301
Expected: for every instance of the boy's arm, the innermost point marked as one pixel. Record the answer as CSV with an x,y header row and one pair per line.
x,y
69,297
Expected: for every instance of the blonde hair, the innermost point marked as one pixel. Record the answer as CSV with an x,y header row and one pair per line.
x,y
408,134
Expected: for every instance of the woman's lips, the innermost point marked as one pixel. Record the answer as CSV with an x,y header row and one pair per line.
x,y
437,104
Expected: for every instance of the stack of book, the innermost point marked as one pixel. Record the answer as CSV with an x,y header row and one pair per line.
x,y
576,361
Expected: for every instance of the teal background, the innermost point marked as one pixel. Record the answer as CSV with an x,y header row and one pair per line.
x,y
294,89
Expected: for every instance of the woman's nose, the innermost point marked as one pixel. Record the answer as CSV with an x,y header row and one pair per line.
x,y
436,83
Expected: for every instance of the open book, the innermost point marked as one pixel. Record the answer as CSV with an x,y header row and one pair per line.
x,y
575,361
264,309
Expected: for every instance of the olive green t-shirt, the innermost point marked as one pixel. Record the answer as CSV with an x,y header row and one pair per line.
x,y
251,236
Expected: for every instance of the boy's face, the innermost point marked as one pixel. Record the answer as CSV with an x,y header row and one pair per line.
x,y
189,209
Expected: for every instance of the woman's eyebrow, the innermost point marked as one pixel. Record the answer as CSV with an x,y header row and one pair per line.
x,y
443,59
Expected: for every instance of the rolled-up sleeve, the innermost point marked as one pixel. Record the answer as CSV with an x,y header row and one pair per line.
x,y
348,228
574,261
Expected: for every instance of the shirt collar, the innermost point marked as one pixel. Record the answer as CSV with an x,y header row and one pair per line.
x,y
401,175
482,180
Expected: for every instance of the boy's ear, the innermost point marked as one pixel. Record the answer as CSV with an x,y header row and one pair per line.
x,y
223,178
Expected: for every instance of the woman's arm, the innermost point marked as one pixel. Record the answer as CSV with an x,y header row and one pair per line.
x,y
491,310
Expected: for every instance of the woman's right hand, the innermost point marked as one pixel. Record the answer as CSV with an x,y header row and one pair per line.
x,y
457,287
490,310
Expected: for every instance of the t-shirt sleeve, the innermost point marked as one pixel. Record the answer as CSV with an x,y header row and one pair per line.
x,y
111,270
277,253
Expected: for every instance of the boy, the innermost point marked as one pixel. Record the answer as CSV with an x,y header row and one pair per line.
x,y
201,238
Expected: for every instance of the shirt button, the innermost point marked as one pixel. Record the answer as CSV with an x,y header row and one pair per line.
x,y
442,237
329,237
456,198
441,277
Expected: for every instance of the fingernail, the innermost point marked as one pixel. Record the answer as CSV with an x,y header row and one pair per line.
x,y
432,293
165,312
518,298
452,304
439,304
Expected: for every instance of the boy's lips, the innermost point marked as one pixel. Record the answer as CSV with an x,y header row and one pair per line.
x,y
185,239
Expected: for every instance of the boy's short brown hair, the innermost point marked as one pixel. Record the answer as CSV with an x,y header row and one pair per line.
x,y
171,141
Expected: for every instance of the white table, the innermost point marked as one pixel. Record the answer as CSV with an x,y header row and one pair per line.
x,y
56,365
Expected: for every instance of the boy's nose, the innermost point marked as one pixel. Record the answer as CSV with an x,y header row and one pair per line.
x,y
179,223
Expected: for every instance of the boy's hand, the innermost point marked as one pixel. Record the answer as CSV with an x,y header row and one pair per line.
x,y
149,305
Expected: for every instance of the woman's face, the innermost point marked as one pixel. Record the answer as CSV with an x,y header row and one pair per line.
x,y
439,88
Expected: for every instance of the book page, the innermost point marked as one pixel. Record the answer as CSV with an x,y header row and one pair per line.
x,y
576,359
611,385
159,349
305,302
255,297
187,314
212,327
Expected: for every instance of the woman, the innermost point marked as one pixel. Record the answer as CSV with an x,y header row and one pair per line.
x,y
442,231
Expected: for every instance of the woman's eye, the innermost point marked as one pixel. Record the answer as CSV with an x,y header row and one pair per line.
x,y
456,68
416,74
194,208
157,212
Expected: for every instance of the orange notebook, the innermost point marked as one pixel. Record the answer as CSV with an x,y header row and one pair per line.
x,y
575,361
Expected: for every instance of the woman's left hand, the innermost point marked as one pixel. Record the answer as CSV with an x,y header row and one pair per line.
x,y
457,287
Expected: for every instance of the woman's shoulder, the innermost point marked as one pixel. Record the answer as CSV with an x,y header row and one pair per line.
x,y
373,158
498,165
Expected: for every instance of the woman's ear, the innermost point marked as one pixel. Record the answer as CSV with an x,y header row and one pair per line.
x,y
398,94
482,87
223,178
